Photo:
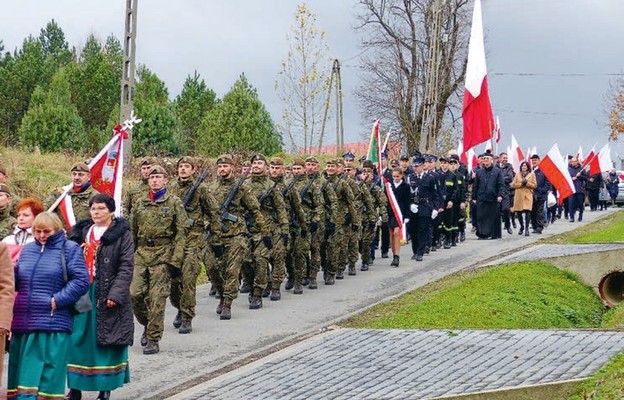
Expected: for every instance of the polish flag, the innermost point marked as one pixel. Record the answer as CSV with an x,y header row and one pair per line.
x,y
488,147
477,110
555,168
394,205
515,155
471,160
497,131
461,153
579,154
590,156
601,162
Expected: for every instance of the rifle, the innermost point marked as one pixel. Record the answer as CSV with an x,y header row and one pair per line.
x,y
304,191
266,193
223,210
189,195
290,185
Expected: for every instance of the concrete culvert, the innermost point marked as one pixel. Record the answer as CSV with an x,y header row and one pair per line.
x,y
611,288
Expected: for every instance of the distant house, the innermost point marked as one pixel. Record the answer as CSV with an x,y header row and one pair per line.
x,y
358,148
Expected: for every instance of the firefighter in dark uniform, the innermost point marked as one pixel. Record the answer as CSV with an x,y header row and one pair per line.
x,y
423,207
446,216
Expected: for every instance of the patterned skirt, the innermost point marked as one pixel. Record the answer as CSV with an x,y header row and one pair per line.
x,y
91,367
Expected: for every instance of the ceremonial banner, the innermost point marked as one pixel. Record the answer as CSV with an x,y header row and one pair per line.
x,y
477,110
374,146
516,155
590,156
555,168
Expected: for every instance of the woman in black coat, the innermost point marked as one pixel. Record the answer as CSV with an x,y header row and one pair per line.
x,y
401,192
101,337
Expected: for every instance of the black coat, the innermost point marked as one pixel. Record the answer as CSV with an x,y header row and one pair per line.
x,y
488,185
114,266
402,195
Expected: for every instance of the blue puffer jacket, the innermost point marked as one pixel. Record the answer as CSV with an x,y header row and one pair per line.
x,y
39,277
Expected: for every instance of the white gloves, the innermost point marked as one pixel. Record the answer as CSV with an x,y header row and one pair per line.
x,y
414,208
406,221
434,214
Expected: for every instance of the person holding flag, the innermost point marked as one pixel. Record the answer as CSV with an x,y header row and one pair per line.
x,y
579,178
81,192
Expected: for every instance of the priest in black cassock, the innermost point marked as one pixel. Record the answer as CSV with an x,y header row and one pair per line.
x,y
488,190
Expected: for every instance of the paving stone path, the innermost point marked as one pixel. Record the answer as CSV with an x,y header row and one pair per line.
x,y
414,364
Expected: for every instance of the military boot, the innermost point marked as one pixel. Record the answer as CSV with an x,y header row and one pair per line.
x,y
275,295
364,267
220,306
186,327
313,284
144,337
340,274
245,288
226,309
329,279
267,291
352,271
255,303
290,283
213,291
177,321
298,289
151,347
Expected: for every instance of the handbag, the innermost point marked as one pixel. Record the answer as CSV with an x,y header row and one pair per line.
x,y
84,302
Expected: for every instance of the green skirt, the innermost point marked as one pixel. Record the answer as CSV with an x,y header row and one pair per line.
x,y
91,367
37,363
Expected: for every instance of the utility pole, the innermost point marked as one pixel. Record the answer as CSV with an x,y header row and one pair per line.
x,y
334,80
430,121
129,68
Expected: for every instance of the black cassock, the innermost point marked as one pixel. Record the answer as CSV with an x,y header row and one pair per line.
x,y
487,187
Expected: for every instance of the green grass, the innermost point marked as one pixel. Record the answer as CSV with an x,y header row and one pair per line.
x,y
529,295
606,230
606,384
614,318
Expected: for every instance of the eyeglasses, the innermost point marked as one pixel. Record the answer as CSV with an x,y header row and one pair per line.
x,y
42,231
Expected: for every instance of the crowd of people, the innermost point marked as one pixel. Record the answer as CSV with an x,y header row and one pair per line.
x,y
259,230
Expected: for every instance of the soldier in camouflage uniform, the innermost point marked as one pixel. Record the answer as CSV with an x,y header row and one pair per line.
x,y
364,205
379,211
322,244
225,272
299,236
141,188
7,221
201,209
80,193
158,224
273,209
347,208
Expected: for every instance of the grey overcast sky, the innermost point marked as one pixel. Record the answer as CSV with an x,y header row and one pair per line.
x,y
549,61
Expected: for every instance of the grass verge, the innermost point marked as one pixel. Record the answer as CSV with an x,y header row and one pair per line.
x,y
606,384
527,295
614,318
609,229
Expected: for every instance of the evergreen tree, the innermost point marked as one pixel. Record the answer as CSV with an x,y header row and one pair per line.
x,y
240,120
195,100
52,122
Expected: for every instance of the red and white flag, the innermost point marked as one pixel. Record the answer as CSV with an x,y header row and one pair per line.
x,y
471,160
106,177
555,168
579,154
601,162
516,155
590,156
396,210
477,110
497,131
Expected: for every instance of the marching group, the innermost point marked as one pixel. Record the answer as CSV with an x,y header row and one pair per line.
x,y
255,230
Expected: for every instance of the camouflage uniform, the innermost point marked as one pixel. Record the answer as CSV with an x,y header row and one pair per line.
x,y
379,210
202,213
130,196
80,202
299,243
224,274
350,210
332,225
159,229
7,222
363,205
273,209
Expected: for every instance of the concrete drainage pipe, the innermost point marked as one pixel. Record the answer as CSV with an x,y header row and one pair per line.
x,y
611,288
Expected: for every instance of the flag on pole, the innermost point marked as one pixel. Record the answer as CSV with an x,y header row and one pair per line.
x,y
555,168
590,156
477,110
516,155
601,162
374,146
488,147
497,131
579,154
106,170
471,160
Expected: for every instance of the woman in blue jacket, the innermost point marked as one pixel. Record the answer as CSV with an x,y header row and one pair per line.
x,y
42,321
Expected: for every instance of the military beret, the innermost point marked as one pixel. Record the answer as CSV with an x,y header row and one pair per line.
x,y
80,167
157,169
3,169
298,161
348,156
367,170
340,161
312,159
246,164
276,161
535,157
367,164
258,157
5,189
186,160
225,159
330,162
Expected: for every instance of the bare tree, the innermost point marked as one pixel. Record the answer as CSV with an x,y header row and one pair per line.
x,y
406,41
303,80
615,107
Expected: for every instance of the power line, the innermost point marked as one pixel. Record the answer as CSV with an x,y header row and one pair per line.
x,y
548,113
570,74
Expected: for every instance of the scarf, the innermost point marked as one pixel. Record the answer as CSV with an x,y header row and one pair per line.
x,y
80,189
91,246
158,195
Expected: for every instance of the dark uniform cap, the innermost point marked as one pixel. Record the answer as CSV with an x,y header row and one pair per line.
x,y
454,158
225,159
384,154
404,157
312,159
394,163
299,162
348,156
5,188
257,157
418,160
443,159
535,157
186,160
486,154
157,169
80,167
276,161
430,158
